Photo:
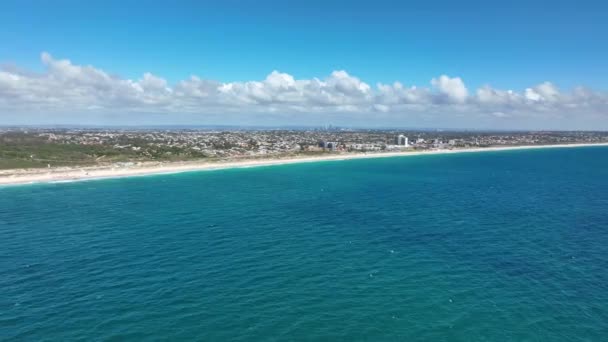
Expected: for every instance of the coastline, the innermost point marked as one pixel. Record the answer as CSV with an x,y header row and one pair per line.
x,y
70,174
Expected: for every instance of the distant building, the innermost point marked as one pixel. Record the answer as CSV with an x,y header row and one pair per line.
x,y
365,147
328,145
401,140
452,142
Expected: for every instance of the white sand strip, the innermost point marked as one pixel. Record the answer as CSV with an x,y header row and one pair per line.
x,y
66,174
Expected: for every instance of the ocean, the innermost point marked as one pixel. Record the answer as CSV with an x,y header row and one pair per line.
x,y
491,246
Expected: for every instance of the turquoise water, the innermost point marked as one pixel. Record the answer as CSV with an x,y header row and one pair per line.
x,y
492,246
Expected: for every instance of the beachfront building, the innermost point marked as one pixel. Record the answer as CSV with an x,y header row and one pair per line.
x,y
365,147
328,145
401,140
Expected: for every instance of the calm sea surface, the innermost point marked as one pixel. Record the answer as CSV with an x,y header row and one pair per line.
x,y
493,246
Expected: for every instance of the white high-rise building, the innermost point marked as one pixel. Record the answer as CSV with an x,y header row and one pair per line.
x,y
401,140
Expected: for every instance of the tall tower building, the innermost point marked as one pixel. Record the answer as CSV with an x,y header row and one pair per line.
x,y
401,140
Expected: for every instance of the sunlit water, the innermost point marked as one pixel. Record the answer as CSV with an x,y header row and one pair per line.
x,y
492,246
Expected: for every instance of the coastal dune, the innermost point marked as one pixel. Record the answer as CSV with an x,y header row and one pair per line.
x,y
65,174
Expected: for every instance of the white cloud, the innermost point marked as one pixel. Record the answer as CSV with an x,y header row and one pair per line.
x,y
381,108
67,87
152,83
396,94
278,80
544,92
532,95
500,114
489,96
547,91
453,88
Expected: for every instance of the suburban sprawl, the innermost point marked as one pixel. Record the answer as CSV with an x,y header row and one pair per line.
x,y
46,148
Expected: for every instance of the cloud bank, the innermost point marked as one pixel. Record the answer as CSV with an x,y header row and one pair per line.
x,y
67,87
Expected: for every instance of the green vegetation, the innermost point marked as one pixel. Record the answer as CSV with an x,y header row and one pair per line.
x,y
23,150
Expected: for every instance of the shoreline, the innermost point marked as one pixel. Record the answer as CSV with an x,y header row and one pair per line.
x,y
72,174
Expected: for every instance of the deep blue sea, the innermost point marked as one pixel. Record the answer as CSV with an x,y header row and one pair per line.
x,y
492,246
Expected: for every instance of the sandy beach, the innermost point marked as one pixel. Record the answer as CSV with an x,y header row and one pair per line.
x,y
68,174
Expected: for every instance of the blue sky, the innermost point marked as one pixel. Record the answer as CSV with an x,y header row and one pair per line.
x,y
507,44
